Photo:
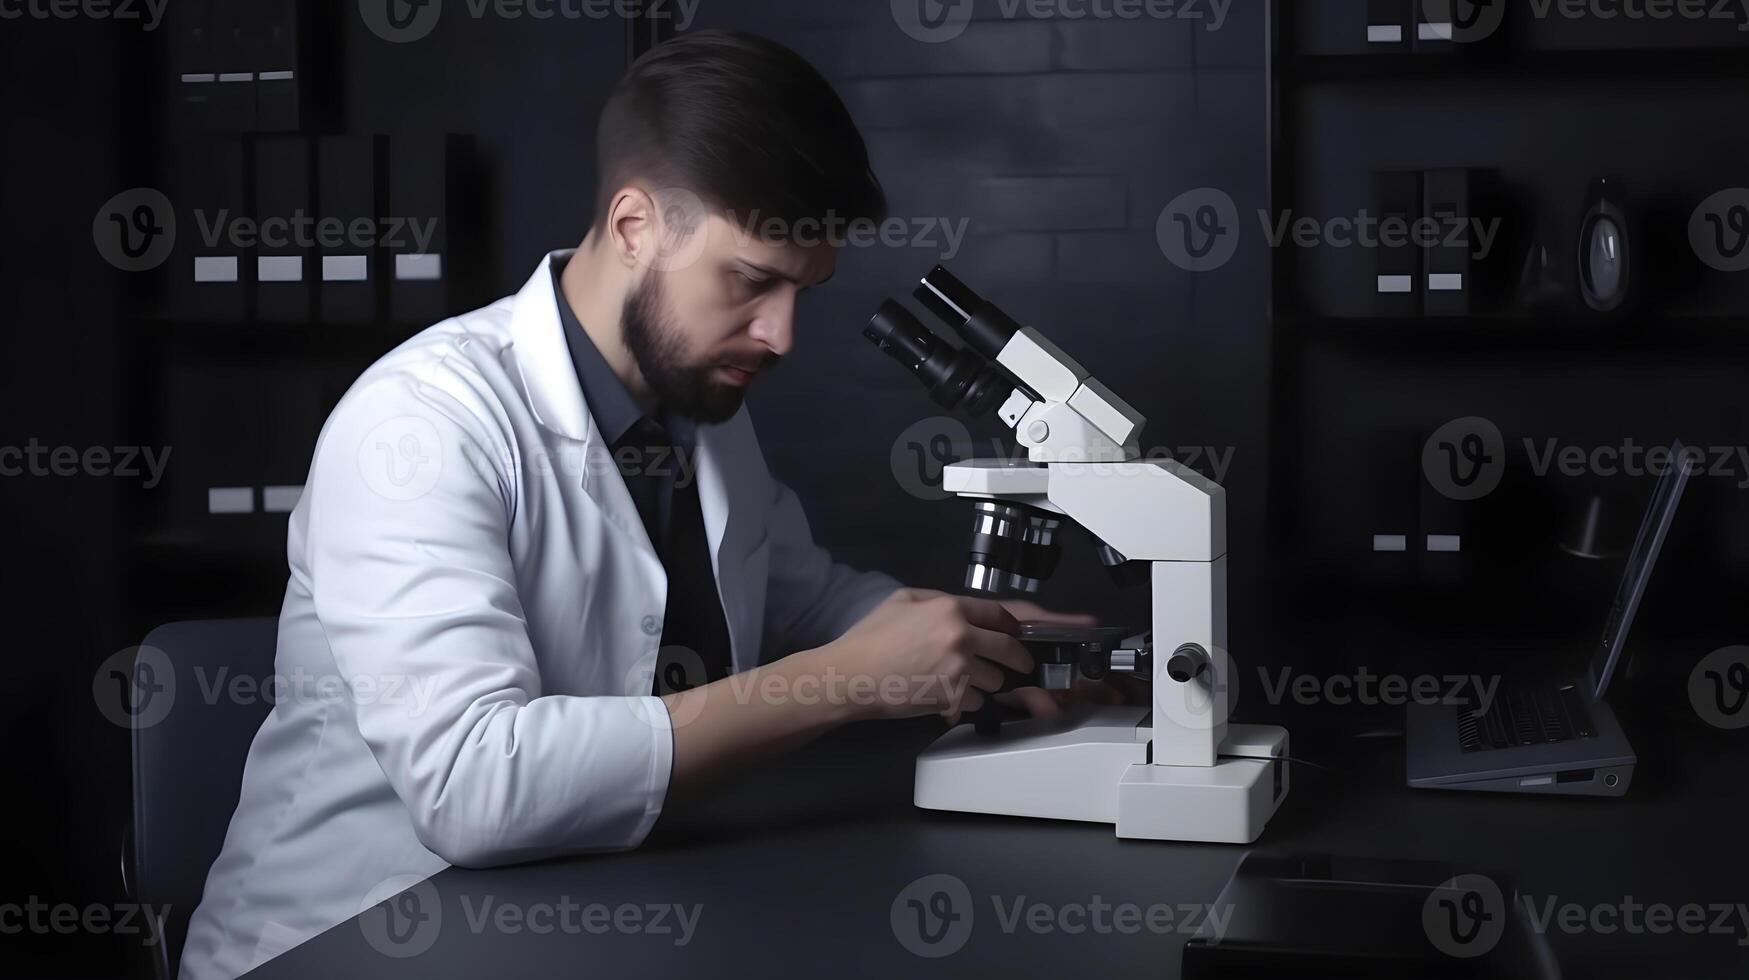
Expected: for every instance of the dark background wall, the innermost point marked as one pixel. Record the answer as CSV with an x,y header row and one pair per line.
x,y
1057,141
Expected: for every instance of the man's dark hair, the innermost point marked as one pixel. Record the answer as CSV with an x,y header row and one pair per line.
x,y
744,123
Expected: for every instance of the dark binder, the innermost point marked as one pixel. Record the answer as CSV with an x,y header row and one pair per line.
x,y
1388,24
1449,281
1396,285
278,74
283,275
234,47
210,271
423,193
350,269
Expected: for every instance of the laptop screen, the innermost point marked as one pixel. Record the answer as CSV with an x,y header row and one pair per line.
x,y
1650,540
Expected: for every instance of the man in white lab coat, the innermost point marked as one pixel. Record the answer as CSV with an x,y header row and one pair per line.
x,y
537,539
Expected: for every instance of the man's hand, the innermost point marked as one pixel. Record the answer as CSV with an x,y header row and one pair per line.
x,y
924,652
1040,703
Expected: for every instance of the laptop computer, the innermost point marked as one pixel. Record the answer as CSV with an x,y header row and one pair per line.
x,y
1549,736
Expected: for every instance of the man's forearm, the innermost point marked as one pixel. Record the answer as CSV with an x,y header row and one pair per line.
x,y
750,715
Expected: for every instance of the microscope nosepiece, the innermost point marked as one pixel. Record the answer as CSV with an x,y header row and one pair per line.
x,y
1014,547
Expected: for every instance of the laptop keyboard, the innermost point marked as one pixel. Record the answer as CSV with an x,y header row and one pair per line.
x,y
1524,716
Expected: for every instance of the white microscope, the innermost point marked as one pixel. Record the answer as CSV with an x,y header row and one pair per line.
x,y
1177,772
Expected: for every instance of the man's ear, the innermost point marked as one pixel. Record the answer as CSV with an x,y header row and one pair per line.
x,y
664,230
632,227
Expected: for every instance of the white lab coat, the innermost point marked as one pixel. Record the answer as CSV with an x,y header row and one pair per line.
x,y
468,559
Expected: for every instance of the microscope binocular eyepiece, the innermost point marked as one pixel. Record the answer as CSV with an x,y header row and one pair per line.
x,y
1014,547
958,379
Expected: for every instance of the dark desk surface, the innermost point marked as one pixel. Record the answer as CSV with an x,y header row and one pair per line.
x,y
795,870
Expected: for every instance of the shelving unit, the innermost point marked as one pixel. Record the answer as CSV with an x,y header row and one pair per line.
x,y
238,390
1549,105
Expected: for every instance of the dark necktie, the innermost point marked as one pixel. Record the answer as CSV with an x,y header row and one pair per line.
x,y
695,636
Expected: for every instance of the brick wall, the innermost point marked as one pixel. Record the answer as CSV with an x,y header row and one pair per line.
x,y
1056,141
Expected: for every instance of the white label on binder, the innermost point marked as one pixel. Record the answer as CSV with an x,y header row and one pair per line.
x,y
230,500
345,268
419,267
280,268
215,268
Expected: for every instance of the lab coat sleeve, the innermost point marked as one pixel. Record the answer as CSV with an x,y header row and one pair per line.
x,y
811,599
410,503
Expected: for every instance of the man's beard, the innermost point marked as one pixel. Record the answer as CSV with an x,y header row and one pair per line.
x,y
659,349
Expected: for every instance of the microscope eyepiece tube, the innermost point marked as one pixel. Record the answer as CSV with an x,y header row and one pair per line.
x,y
986,328
957,379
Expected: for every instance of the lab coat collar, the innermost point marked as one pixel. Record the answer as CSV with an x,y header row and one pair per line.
x,y
544,359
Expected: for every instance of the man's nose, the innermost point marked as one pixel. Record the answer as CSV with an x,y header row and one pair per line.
x,y
774,326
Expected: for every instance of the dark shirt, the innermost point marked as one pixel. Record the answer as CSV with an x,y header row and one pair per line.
x,y
639,442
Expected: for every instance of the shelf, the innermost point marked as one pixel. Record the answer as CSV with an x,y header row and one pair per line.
x,y
1524,334
1639,65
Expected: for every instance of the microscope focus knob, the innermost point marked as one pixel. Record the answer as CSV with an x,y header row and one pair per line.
x,y
1187,663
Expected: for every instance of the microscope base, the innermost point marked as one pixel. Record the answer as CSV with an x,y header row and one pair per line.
x,y
1092,766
